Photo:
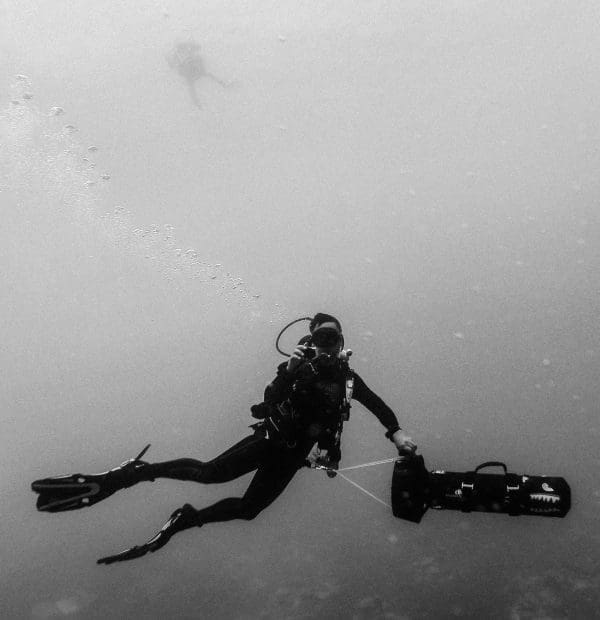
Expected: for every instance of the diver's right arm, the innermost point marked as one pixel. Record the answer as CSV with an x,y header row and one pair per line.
x,y
296,358
280,388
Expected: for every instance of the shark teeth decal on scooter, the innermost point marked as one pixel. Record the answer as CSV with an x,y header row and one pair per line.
x,y
546,498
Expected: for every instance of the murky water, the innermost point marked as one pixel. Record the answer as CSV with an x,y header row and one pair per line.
x,y
425,172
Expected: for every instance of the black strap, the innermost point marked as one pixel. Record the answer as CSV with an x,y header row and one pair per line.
x,y
491,464
467,488
512,482
513,494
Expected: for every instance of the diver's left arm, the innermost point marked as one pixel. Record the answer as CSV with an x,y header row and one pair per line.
x,y
365,396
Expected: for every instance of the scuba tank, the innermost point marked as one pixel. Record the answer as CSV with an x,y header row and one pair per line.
x,y
414,490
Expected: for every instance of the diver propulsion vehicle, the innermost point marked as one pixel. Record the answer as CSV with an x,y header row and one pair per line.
x,y
414,490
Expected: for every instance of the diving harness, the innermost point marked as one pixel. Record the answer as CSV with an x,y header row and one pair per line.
x,y
280,420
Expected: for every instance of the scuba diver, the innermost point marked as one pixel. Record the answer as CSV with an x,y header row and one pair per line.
x,y
299,424
185,58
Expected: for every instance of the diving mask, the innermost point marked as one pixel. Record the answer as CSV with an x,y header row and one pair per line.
x,y
325,337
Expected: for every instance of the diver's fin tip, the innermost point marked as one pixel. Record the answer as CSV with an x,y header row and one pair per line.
x,y
141,454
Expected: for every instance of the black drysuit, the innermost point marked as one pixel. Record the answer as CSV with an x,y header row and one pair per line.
x,y
274,460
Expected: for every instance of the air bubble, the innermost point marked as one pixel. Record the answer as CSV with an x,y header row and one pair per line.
x,y
66,174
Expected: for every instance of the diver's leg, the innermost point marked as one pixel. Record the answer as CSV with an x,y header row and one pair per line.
x,y
272,477
242,458
71,492
267,484
278,467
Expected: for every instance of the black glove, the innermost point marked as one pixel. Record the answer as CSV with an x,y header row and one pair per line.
x,y
182,519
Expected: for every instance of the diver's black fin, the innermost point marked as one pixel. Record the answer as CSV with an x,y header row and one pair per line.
x,y
141,454
74,491
71,492
182,519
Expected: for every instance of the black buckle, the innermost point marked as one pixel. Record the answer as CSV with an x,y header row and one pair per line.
x,y
467,489
513,493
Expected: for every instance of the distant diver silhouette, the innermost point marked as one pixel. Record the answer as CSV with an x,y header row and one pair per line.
x,y
185,58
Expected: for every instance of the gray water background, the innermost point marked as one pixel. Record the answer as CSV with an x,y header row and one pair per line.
x,y
426,171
